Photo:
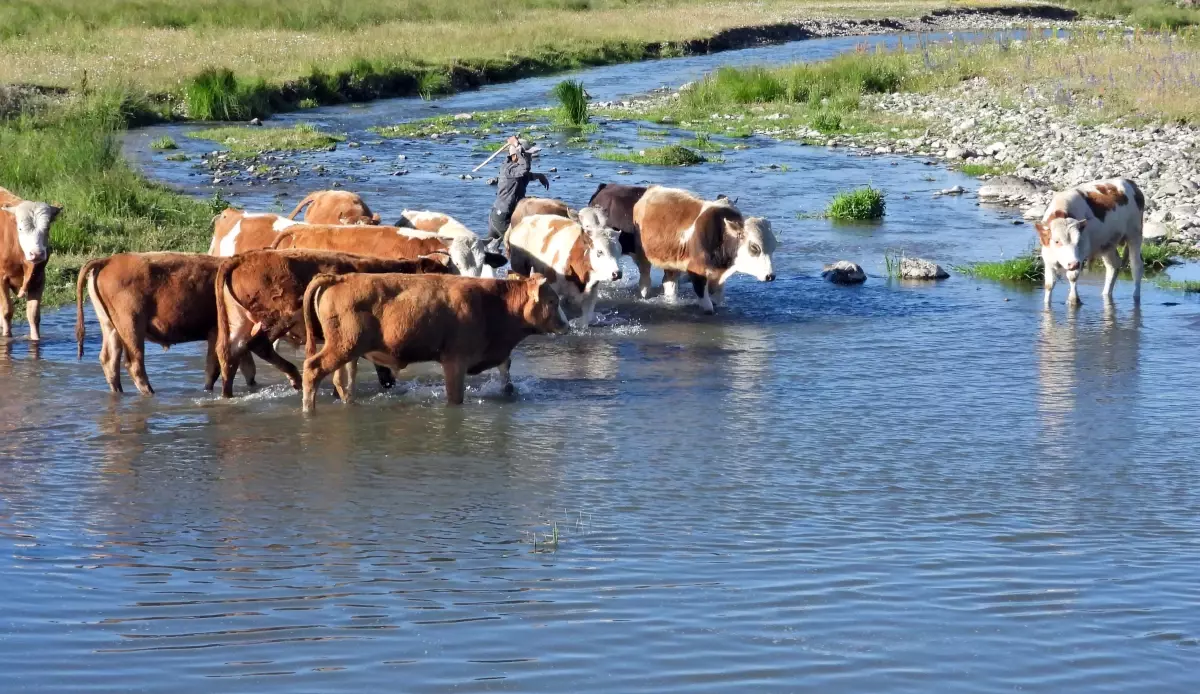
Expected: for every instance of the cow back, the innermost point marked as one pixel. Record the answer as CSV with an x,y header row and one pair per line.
x,y
172,292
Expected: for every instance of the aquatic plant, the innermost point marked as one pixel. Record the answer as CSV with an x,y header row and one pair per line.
x,y
858,204
164,142
671,155
433,83
1156,258
217,94
701,142
572,102
307,103
1185,286
1026,269
248,141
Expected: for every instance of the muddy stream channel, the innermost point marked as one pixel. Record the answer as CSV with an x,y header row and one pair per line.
x,y
894,487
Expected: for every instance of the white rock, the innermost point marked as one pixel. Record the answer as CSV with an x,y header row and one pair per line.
x,y
919,269
1154,230
1034,212
844,272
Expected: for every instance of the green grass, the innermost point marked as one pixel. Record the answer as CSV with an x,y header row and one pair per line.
x,y
71,156
307,103
670,155
1026,269
986,169
217,94
1157,258
164,142
432,83
1185,286
249,140
859,204
572,102
701,142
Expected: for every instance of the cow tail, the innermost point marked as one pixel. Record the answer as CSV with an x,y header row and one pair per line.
x,y
224,270
84,273
279,239
303,203
310,311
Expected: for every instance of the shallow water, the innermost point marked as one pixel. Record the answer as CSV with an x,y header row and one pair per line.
x,y
892,487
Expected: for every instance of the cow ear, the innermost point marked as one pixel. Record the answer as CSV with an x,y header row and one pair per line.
x,y
733,229
8,208
1043,232
1081,224
55,209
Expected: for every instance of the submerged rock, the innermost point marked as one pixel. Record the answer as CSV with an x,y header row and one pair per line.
x,y
844,272
920,269
1010,189
956,190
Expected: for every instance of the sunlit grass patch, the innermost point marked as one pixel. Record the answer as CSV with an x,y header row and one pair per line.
x,y
670,155
163,143
863,203
249,140
986,169
217,94
1026,269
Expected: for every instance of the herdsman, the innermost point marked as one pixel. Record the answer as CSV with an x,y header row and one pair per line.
x,y
515,176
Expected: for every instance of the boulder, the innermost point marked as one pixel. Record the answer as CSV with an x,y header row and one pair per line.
x,y
1010,189
1180,212
844,272
1034,212
1154,231
920,269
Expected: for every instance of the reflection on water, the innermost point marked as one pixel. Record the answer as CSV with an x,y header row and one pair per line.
x,y
893,487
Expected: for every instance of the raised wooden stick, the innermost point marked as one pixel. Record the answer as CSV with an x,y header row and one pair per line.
x,y
489,159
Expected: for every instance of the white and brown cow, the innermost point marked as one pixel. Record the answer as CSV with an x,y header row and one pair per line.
x,y
1091,221
464,255
438,223
708,239
237,231
24,250
529,206
335,207
575,256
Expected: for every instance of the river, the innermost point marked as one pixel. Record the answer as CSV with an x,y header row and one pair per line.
x,y
890,488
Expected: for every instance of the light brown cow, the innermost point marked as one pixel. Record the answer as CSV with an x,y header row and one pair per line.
x,y
575,259
438,223
167,298
24,250
467,325
259,293
530,206
236,231
335,207
466,256
708,239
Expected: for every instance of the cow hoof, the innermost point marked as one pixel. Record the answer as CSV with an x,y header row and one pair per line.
x,y
508,389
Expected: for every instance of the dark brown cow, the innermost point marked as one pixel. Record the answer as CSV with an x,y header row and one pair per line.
x,y
531,206
467,325
24,250
166,298
466,255
260,293
617,201
710,240
335,207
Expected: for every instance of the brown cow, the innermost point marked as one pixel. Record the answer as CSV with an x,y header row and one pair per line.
x,y
24,250
260,293
468,325
236,231
335,207
710,240
164,297
531,206
466,256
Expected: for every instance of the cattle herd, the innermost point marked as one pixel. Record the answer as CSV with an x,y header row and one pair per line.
x,y
424,289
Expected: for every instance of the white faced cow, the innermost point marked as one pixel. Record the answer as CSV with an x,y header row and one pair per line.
x,y
708,239
1090,221
575,256
24,250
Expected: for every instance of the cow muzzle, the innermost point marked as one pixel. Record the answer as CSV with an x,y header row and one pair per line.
x,y
1074,267
617,275
35,256
770,277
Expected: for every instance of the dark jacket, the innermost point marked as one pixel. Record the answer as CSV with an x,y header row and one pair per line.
x,y
514,178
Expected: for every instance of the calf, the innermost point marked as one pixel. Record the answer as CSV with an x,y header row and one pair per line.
x,y
1090,221
528,207
617,202
335,207
574,258
468,325
465,256
166,298
710,240
259,293
435,223
235,231
24,250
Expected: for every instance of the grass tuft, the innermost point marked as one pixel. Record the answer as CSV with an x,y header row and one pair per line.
x,y
986,169
572,102
433,83
858,204
164,142
1024,269
671,155
217,94
248,141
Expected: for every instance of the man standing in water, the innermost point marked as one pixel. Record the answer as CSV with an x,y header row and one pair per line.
x,y
515,176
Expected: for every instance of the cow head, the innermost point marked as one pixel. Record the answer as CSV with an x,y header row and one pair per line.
x,y
471,258
604,244
33,228
755,244
1064,244
541,308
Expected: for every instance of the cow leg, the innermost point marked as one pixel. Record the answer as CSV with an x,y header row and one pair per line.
x,y
716,290
6,312
1134,248
261,347
110,356
135,361
456,384
316,368
588,304
1073,295
505,370
33,311
643,264
387,379
698,282
670,283
1112,261
248,369
211,367
706,303
343,380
